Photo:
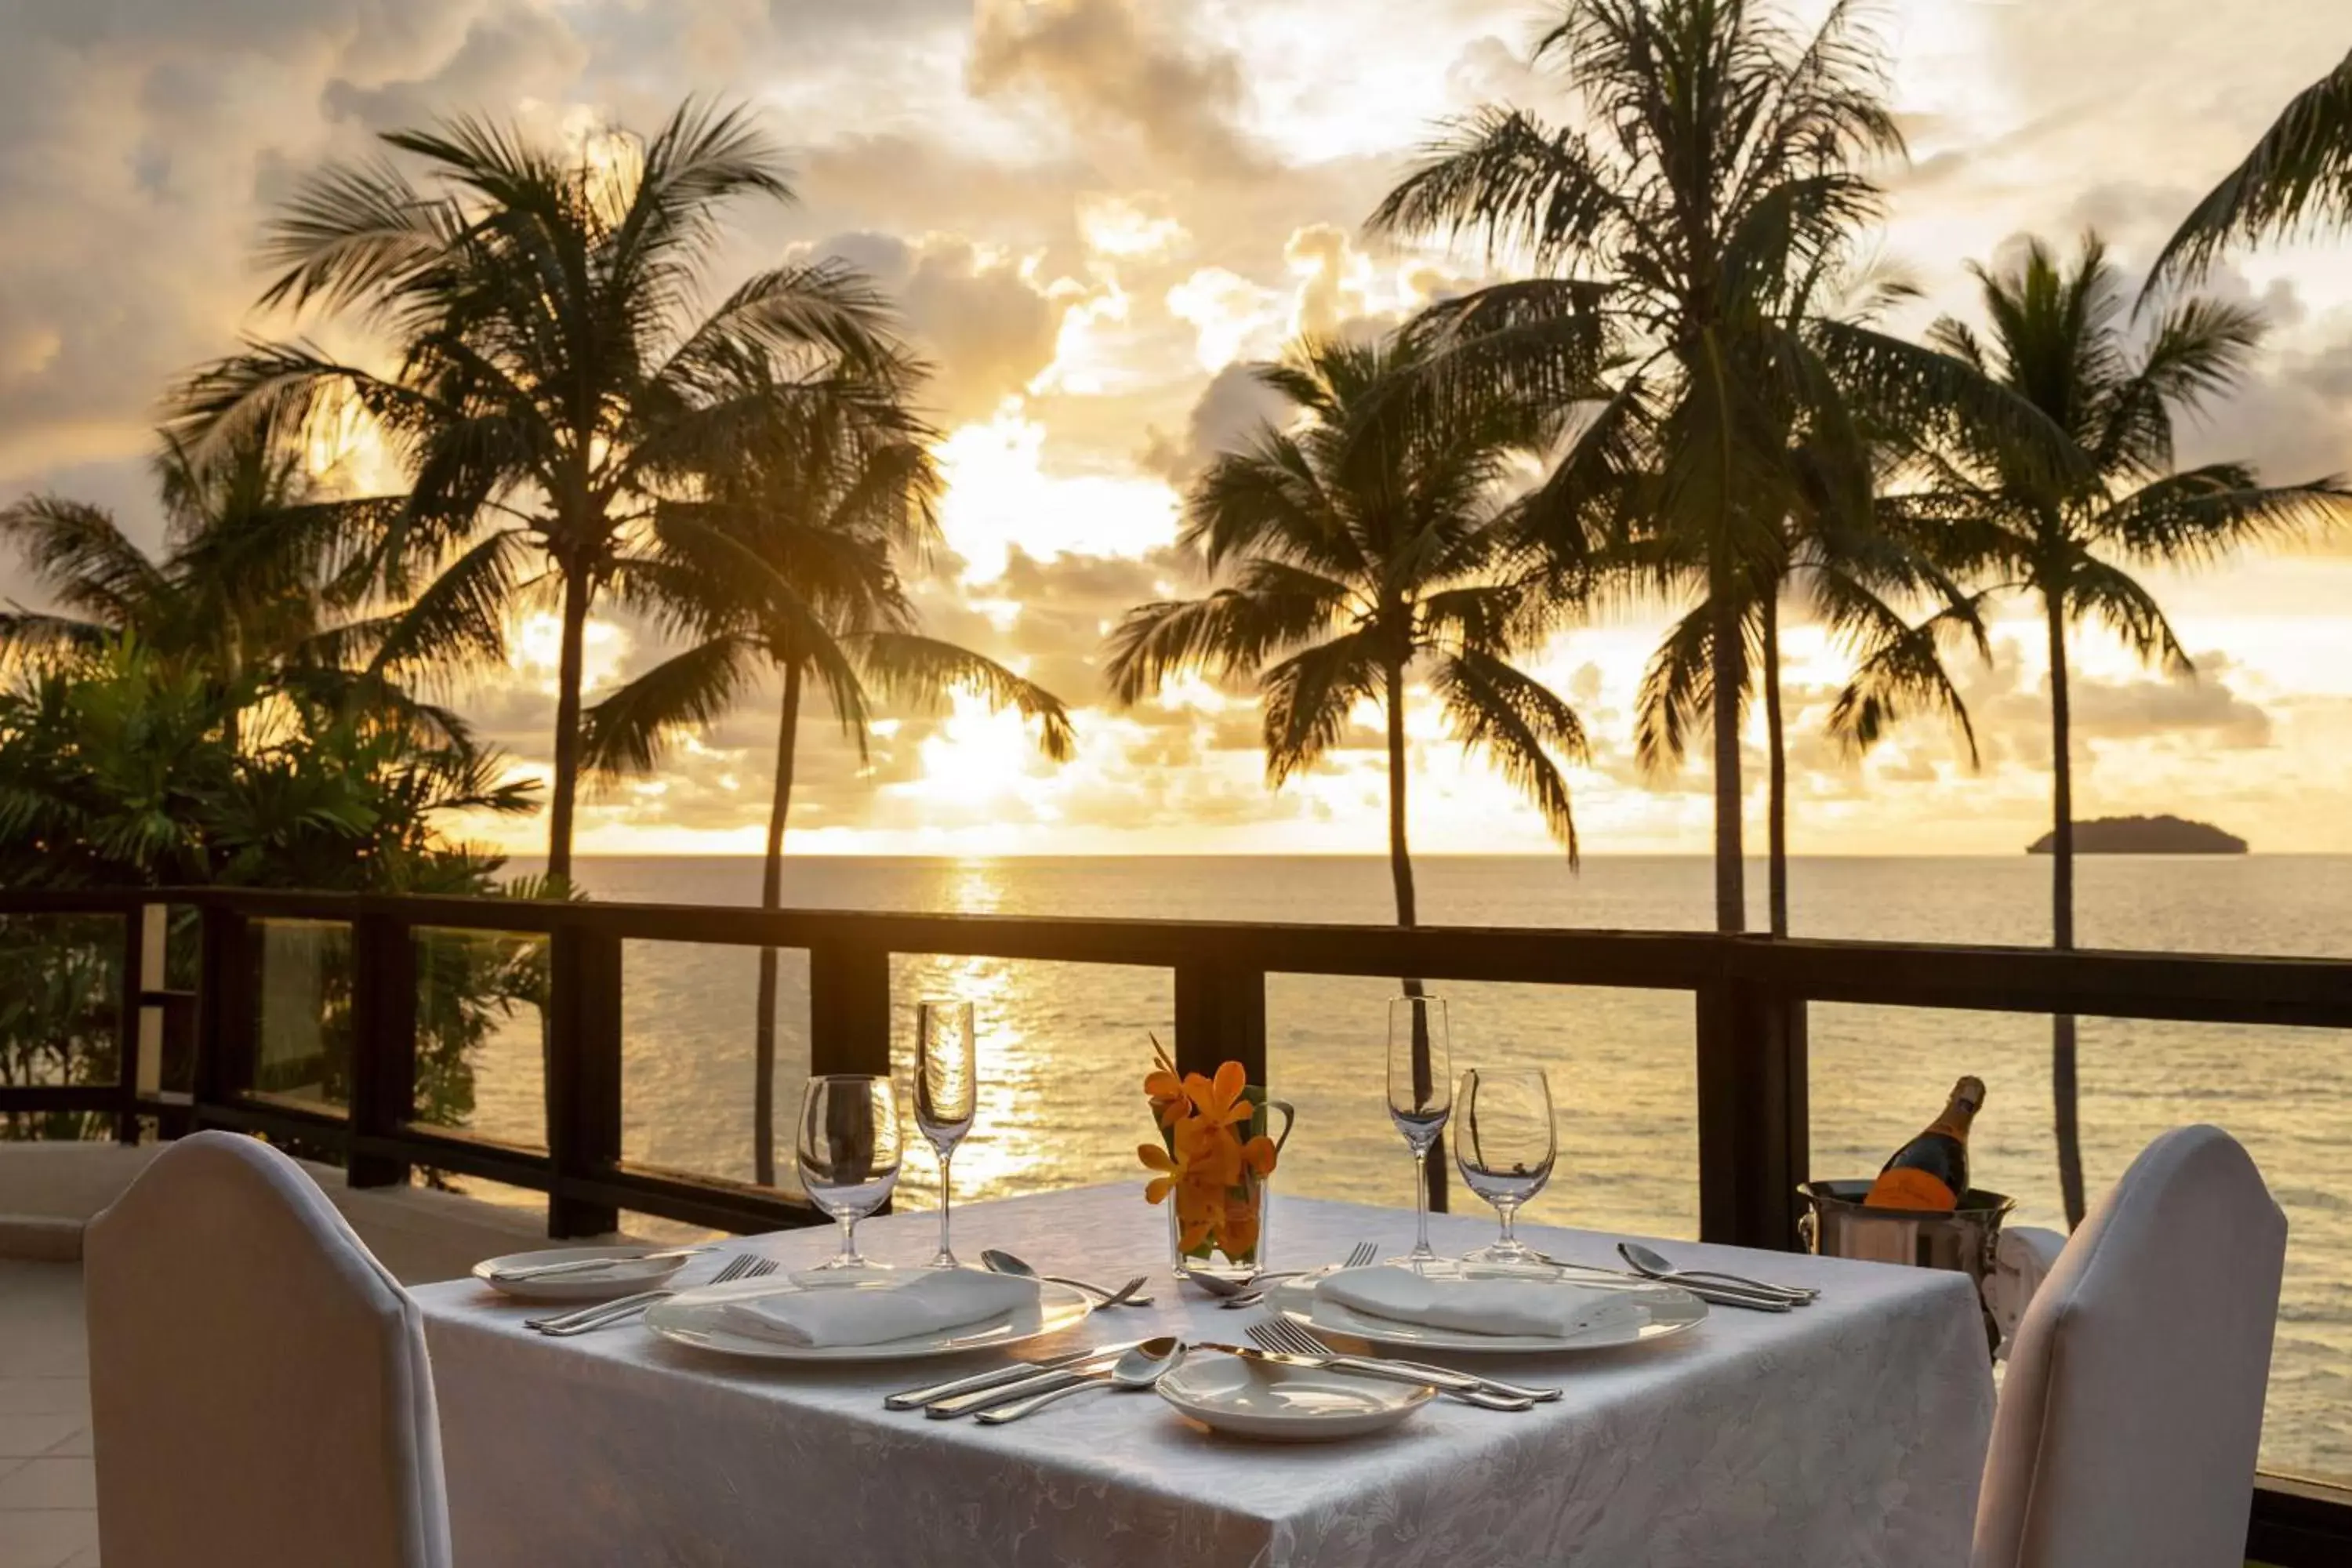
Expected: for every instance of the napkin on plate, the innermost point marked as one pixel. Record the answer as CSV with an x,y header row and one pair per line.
x,y
1543,1308
926,1301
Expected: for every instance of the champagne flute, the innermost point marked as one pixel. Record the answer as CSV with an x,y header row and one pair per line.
x,y
848,1150
1419,1095
947,1091
1504,1147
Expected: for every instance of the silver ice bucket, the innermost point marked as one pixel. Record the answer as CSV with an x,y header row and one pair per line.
x,y
1836,1223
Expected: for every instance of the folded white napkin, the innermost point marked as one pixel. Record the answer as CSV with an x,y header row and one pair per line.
x,y
926,1301
1549,1308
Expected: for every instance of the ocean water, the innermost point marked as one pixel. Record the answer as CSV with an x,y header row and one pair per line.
x,y
1063,1047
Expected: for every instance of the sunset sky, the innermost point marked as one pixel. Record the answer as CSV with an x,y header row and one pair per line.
x,y
1092,211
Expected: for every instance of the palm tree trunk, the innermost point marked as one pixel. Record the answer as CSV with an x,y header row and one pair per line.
x,y
1731,869
576,590
771,896
1777,808
2063,1067
1400,876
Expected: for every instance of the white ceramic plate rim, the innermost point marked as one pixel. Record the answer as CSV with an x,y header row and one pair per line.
x,y
626,1275
1394,1401
1058,1308
1671,1311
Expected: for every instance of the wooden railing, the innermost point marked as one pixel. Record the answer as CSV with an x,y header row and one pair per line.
x,y
1751,995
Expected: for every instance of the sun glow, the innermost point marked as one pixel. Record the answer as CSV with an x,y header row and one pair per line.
x,y
1001,497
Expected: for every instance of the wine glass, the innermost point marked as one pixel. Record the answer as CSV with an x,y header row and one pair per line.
x,y
849,1151
1505,1146
947,1091
1420,1094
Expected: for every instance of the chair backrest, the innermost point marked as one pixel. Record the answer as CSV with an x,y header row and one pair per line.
x,y
260,1392
2130,1420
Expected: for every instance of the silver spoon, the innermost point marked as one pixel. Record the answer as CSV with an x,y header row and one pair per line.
x,y
1138,1369
1124,1296
1657,1268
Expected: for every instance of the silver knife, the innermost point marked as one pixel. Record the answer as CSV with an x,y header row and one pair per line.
x,y
1018,1371
1005,1393
1625,1280
584,1265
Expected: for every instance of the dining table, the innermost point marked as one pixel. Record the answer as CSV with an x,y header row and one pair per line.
x,y
1850,1431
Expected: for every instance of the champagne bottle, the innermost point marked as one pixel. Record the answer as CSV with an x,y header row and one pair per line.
x,y
1931,1171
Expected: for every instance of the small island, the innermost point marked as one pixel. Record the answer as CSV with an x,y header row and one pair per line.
x,y
2145,836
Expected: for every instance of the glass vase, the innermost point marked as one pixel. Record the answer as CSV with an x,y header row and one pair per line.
x,y
1234,1246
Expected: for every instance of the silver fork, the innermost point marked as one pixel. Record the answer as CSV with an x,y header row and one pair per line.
x,y
743,1266
1280,1335
1362,1253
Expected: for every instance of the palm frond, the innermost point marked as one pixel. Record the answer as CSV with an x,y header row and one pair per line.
x,y
2298,175
922,670
2098,592
1903,670
1678,691
1230,633
82,558
460,618
2205,513
1308,697
628,731
1518,723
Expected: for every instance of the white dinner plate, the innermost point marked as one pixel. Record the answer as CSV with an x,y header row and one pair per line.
x,y
1279,1404
625,1273
1666,1309
688,1319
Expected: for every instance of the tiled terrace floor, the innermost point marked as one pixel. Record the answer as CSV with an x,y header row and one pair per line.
x,y
48,1497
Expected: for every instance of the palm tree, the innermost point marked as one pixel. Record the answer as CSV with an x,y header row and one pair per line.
x,y
1856,582
1363,545
1681,232
786,560
1374,540
1855,579
2060,338
262,569
2299,175
556,374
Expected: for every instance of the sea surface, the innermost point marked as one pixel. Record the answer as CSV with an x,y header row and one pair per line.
x,y
1065,1046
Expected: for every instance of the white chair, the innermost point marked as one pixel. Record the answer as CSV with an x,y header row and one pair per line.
x,y
2130,1420
260,1392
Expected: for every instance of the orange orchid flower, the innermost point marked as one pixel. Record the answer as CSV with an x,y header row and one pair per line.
x,y
1258,1155
1211,1155
1237,1233
1221,1101
1166,1092
1173,1169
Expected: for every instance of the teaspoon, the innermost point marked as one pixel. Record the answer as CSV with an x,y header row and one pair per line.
x,y
1006,1263
1138,1369
1655,1266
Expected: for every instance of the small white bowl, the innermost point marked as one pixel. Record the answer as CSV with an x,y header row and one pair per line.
x,y
1277,1404
624,1274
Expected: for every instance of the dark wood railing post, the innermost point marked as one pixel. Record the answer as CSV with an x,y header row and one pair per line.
x,y
129,1012
849,1013
225,982
384,1045
1220,1016
583,1074
1753,1113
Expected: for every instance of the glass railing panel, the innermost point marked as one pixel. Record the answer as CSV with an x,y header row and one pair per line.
x,y
1620,1063
1063,1051
481,1033
1881,1073
688,1049
302,1012
60,999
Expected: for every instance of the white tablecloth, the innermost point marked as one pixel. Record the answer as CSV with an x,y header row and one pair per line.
x,y
1852,1432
